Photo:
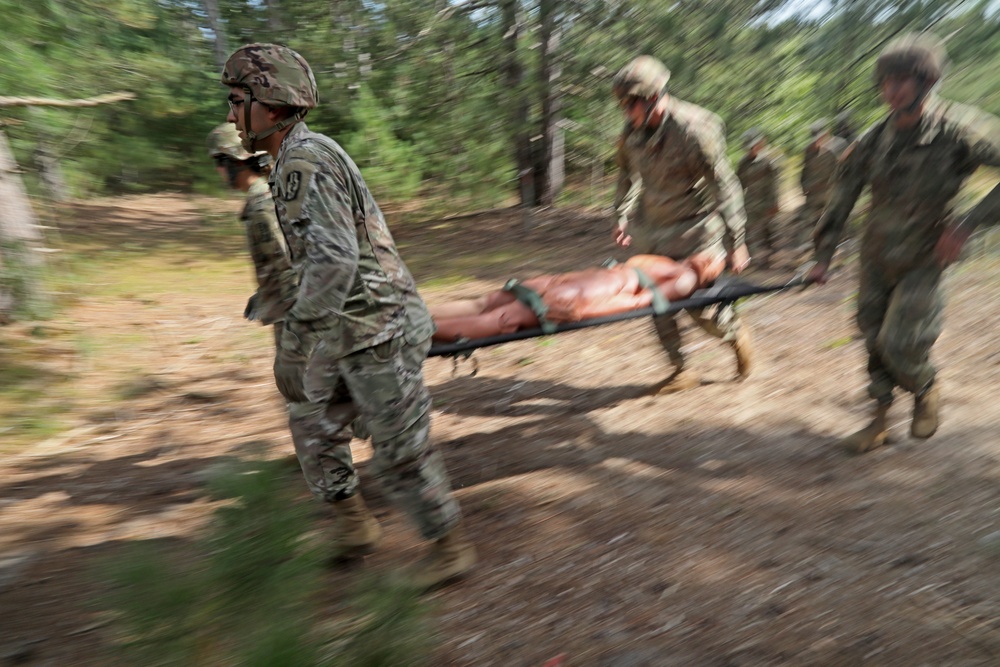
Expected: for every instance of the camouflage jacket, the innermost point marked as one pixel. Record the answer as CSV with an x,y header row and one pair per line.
x,y
276,281
354,289
759,176
819,168
687,198
914,176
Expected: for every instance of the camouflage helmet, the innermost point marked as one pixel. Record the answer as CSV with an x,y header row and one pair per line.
x,y
818,127
274,74
644,77
751,137
225,140
920,54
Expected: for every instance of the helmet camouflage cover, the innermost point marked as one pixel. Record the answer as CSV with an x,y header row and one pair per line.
x,y
225,140
643,77
274,74
818,127
751,137
921,55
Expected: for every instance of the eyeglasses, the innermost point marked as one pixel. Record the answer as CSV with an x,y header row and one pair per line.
x,y
235,104
221,160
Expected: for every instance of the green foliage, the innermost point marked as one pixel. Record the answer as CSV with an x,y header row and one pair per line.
x,y
20,283
246,593
390,166
438,98
390,632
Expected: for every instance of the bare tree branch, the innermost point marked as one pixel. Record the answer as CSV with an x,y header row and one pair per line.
x,y
48,102
442,15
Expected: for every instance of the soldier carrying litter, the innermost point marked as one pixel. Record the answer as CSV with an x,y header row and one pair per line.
x,y
915,160
677,196
357,333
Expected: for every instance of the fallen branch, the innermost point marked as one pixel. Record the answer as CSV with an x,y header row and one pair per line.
x,y
109,98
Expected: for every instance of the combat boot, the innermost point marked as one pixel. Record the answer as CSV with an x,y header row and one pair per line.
x,y
357,531
873,436
925,413
743,347
681,379
451,557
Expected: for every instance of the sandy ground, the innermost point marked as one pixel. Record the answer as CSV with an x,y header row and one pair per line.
x,y
715,527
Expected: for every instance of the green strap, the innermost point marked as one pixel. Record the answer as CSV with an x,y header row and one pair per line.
x,y
533,300
660,302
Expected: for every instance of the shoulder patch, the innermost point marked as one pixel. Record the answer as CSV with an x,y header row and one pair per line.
x,y
293,182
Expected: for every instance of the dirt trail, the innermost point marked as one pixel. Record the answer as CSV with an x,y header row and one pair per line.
x,y
713,527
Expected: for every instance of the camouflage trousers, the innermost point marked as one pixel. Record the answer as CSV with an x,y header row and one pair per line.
x,y
761,235
719,320
381,388
807,216
900,319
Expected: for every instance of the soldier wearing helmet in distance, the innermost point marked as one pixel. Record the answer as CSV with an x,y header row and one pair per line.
x,y
356,335
247,172
819,171
915,160
759,173
677,196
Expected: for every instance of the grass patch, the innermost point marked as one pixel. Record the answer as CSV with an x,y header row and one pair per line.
x,y
244,594
35,397
137,387
835,343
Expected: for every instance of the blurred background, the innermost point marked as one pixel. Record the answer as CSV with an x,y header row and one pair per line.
x,y
152,510
451,99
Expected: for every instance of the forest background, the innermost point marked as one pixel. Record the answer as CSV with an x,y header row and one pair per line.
x,y
467,104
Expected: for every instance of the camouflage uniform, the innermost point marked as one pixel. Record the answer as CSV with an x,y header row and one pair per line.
x,y
355,340
687,200
819,170
759,175
276,281
915,176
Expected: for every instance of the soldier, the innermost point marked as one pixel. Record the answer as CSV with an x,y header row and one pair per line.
x,y
843,127
678,196
245,171
355,338
819,169
916,160
759,173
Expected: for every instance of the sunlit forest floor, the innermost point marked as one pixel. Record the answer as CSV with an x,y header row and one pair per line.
x,y
715,527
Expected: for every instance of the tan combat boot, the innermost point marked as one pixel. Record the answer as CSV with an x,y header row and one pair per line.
x,y
743,347
681,379
357,531
451,557
925,413
873,436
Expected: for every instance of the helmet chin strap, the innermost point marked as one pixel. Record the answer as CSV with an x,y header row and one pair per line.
x,y
923,90
250,142
651,106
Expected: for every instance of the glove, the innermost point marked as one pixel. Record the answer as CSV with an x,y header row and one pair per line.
x,y
250,312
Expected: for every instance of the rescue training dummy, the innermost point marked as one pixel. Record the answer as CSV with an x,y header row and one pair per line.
x,y
574,296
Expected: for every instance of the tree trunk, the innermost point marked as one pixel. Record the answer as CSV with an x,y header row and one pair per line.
x,y
549,156
215,24
274,22
513,75
20,237
20,241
